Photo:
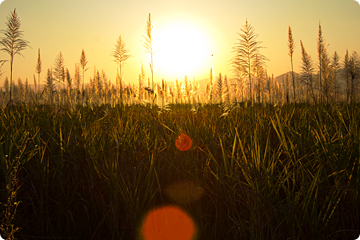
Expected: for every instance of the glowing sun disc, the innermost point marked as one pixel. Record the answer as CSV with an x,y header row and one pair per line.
x,y
182,49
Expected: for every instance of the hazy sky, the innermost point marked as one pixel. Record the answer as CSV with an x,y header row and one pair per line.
x,y
182,29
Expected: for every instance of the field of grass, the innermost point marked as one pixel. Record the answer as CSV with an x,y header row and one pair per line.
x,y
261,172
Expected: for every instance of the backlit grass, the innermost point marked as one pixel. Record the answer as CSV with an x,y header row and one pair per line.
x,y
261,172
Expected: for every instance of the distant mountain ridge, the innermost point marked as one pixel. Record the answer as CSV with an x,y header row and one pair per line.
x,y
203,82
281,78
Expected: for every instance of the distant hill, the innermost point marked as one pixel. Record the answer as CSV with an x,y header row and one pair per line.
x,y
281,78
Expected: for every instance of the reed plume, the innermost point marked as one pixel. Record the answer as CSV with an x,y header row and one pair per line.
x,y
83,63
246,50
120,54
38,68
148,44
307,71
291,46
13,43
77,82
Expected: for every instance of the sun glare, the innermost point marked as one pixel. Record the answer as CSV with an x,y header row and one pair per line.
x,y
182,49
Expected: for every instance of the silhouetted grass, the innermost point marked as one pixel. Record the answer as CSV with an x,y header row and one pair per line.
x,y
289,172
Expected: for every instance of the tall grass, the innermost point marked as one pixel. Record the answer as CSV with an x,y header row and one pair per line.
x,y
289,172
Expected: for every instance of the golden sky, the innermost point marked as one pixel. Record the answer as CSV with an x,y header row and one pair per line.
x,y
186,33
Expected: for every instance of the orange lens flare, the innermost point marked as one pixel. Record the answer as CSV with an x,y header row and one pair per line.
x,y
168,223
183,142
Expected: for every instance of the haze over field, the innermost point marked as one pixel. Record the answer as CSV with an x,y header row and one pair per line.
x,y
186,33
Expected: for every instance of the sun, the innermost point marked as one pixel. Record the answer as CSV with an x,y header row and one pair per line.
x,y
182,48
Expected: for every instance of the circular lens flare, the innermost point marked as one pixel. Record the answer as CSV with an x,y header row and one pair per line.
x,y
183,142
168,223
